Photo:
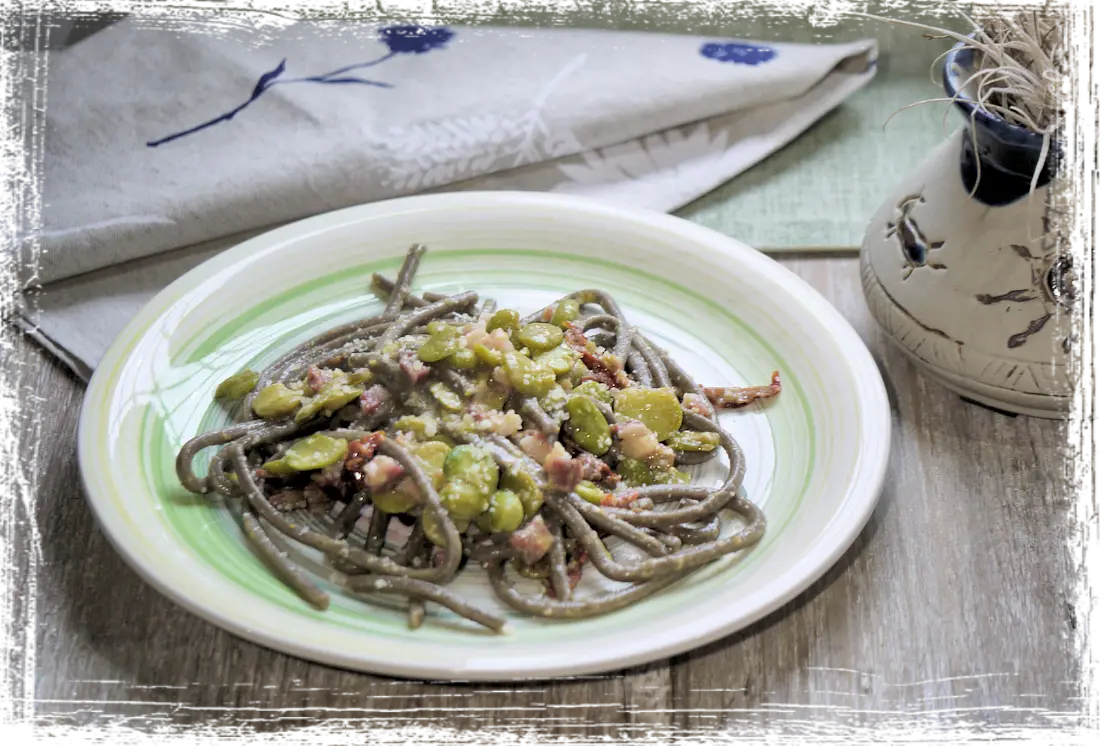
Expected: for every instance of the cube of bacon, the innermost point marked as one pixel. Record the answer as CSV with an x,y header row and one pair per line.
x,y
574,337
563,473
595,470
413,367
697,404
620,499
636,440
382,471
535,445
639,442
606,369
499,340
317,378
532,542
361,451
371,400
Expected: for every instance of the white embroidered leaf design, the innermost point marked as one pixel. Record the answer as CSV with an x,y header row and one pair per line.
x,y
433,153
429,154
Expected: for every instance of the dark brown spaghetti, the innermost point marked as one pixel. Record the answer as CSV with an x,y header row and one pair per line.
x,y
520,444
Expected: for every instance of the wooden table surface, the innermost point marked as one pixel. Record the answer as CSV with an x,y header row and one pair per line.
x,y
953,604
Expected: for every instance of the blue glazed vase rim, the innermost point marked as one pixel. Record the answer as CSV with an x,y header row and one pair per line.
x,y
957,67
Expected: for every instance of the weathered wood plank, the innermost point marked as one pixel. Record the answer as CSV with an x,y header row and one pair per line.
x,y
965,612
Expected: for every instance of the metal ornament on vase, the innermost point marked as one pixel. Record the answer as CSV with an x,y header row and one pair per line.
x,y
962,269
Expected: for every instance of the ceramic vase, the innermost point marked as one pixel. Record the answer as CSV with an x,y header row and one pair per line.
x,y
962,269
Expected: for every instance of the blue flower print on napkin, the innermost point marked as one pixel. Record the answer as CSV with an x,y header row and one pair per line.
x,y
415,39
398,39
737,52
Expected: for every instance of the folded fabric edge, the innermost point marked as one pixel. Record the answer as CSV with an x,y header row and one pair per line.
x,y
853,80
859,50
801,122
848,84
33,332
777,124
854,54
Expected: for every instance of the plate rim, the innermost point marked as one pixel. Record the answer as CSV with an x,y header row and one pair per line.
x,y
874,417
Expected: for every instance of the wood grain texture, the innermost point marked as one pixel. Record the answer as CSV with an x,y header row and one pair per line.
x,y
951,603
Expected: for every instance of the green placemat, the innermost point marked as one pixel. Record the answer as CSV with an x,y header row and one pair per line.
x,y
818,192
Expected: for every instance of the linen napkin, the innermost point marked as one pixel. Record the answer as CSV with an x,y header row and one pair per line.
x,y
158,140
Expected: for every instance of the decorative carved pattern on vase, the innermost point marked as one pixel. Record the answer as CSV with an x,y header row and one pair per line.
x,y
1053,286
916,249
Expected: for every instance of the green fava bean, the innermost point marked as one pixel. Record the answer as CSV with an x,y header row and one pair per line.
x,y
472,465
441,329
434,530
690,440
527,377
595,390
459,460
492,394
540,337
505,318
276,400
505,511
279,468
236,386
657,409
394,501
524,486
331,397
431,456
412,424
463,358
464,500
635,471
640,473
670,476
567,310
554,400
316,452
587,426
447,399
437,347
560,360
487,355
590,492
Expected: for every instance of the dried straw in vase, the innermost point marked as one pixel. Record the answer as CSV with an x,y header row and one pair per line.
x,y
1037,63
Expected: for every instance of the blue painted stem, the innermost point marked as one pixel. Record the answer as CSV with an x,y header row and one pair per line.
x,y
268,80
360,65
204,125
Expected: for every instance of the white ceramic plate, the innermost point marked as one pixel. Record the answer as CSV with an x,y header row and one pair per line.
x,y
816,454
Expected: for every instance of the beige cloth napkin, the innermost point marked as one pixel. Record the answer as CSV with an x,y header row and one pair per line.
x,y
159,140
